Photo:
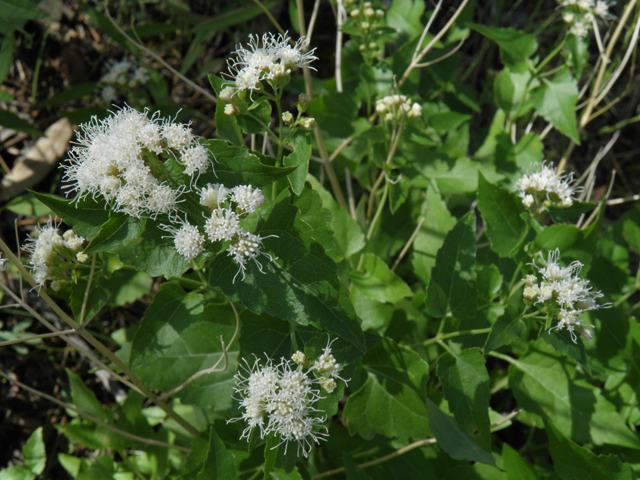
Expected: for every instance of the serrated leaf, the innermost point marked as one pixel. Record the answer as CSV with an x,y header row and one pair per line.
x,y
515,46
563,343
465,382
86,216
376,281
391,401
301,286
178,336
453,279
83,398
239,166
219,463
571,461
507,328
545,384
556,101
301,143
256,119
456,443
501,212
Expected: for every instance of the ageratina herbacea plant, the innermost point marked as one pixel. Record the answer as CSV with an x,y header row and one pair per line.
x,y
389,248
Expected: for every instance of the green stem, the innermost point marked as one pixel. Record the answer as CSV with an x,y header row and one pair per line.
x,y
378,214
549,57
438,338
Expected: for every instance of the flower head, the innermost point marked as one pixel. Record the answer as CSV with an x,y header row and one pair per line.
x,y
247,198
544,187
187,239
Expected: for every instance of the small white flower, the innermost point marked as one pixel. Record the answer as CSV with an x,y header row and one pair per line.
x,y
579,29
109,94
195,159
247,198
177,136
162,199
246,246
187,240
222,225
213,196
544,184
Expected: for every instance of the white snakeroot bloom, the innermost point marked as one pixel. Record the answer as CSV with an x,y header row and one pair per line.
x,y
195,159
187,239
223,225
562,287
247,198
543,184
245,247
395,106
213,196
280,400
178,137
274,60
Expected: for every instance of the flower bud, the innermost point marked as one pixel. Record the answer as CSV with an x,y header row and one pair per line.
x,y
82,257
366,5
373,46
355,14
287,118
230,109
529,295
369,13
379,14
362,48
365,25
309,123
226,95
328,384
299,358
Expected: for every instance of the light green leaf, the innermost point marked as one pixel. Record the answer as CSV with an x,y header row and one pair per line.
x,y
456,443
405,16
226,125
515,46
219,463
545,384
501,212
33,452
465,382
572,461
563,343
17,473
179,335
300,286
301,143
83,398
556,101
453,279
511,90
376,281
391,401
516,467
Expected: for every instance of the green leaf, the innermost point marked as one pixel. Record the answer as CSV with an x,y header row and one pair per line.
x,y
301,286
465,382
511,90
17,473
27,205
507,328
562,215
515,46
453,279
516,467
556,101
85,216
374,280
405,16
83,398
631,229
11,120
545,385
76,92
6,55
19,9
391,401
226,125
97,298
501,212
572,461
438,222
348,233
563,343
335,113
178,336
301,143
118,230
33,453
256,119
264,336
239,166
219,463
453,441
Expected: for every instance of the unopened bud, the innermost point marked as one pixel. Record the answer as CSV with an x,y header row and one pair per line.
x,y
82,257
355,14
369,13
373,46
299,358
379,14
309,123
529,295
304,99
366,5
226,95
365,25
287,118
230,109
328,384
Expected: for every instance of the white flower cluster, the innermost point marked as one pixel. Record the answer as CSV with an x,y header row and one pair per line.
x,y
121,74
395,106
47,246
113,156
581,14
562,287
274,60
280,400
545,188
228,207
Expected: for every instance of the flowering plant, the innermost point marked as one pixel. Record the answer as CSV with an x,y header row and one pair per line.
x,y
339,265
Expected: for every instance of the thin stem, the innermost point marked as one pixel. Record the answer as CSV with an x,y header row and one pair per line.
x,y
445,336
378,214
405,249
312,21
426,29
35,337
340,16
87,292
91,418
269,16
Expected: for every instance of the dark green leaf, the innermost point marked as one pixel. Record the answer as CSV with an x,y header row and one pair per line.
x,y
301,286
391,401
453,279
6,55
256,119
561,340
11,120
97,299
511,90
76,92
226,125
572,461
456,443
556,101
465,382
83,398
377,282
301,143
562,215
501,212
507,328
19,9
219,463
